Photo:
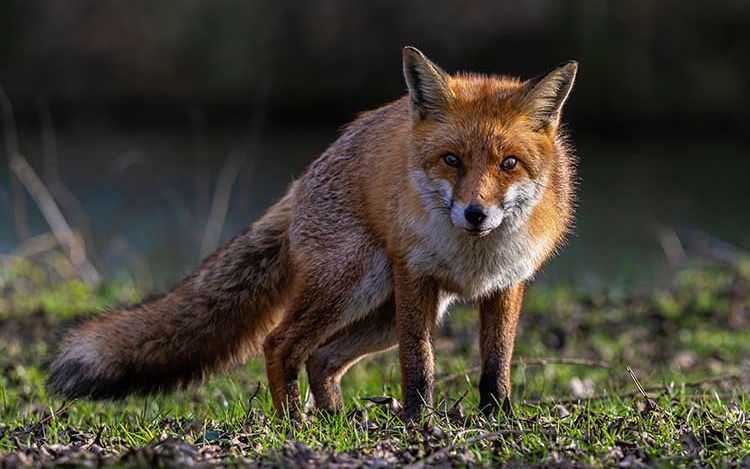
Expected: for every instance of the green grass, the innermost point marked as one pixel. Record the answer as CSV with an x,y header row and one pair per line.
x,y
675,337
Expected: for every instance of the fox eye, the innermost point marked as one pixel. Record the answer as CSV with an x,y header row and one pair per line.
x,y
452,160
509,163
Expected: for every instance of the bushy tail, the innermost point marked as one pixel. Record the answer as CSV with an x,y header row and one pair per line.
x,y
214,318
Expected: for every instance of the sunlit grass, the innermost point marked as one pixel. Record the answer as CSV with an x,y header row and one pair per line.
x,y
673,337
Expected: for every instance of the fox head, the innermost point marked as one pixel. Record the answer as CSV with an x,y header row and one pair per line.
x,y
484,147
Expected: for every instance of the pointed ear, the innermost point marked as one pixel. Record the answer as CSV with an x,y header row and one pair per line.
x,y
547,93
427,83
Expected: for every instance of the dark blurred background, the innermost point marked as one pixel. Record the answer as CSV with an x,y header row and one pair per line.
x,y
161,127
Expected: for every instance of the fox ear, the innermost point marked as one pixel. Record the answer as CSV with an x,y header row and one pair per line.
x,y
427,83
547,93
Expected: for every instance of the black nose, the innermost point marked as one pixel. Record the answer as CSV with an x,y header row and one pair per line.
x,y
475,215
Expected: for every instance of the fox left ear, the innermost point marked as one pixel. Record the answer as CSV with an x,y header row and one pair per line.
x,y
428,84
547,93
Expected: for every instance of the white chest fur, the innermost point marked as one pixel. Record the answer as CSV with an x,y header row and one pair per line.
x,y
476,266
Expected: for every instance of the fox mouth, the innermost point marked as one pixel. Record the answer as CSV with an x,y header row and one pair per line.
x,y
476,232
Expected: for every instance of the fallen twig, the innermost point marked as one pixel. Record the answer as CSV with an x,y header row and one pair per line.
x,y
76,250
65,406
51,177
458,401
712,247
220,202
228,176
529,362
560,361
629,394
672,246
255,393
36,245
650,403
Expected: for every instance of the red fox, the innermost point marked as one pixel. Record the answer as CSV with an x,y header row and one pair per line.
x,y
463,188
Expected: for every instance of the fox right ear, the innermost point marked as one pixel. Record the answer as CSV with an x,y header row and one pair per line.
x,y
547,95
428,84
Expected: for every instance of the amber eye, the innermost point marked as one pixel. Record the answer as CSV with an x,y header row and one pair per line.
x,y
451,160
508,163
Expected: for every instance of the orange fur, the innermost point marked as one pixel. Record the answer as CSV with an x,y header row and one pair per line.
x,y
366,251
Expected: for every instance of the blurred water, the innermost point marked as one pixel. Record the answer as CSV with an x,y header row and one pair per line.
x,y
144,196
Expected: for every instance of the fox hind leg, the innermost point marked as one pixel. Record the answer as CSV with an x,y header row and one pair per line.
x,y
331,295
305,326
374,333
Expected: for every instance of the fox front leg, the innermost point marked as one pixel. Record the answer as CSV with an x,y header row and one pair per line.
x,y
499,317
416,311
